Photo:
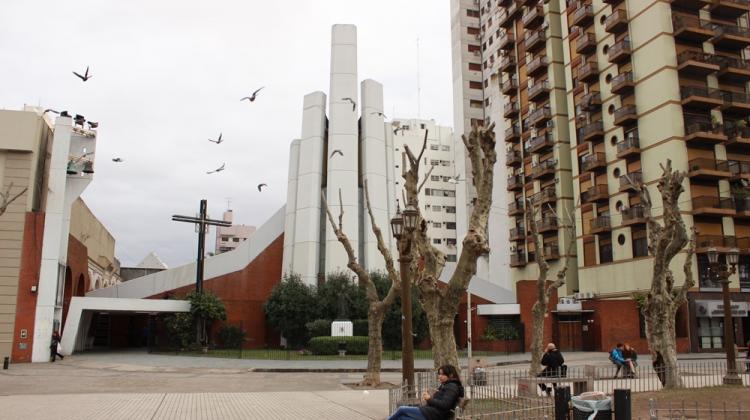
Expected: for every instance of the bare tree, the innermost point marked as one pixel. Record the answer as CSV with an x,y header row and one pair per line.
x,y
440,302
6,199
543,289
376,307
664,243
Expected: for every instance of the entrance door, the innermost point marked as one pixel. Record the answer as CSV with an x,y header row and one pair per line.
x,y
569,332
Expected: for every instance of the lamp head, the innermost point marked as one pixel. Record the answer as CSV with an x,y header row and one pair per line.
x,y
397,225
733,256
713,255
411,214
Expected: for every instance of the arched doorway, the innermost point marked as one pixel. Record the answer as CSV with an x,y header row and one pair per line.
x,y
80,286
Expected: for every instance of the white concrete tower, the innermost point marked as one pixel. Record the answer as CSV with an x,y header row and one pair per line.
x,y
343,135
291,207
374,170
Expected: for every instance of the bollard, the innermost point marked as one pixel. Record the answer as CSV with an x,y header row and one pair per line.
x,y
562,400
622,404
6,363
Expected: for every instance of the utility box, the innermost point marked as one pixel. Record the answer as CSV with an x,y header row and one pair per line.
x,y
342,329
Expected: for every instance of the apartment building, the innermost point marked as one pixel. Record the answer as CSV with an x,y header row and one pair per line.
x,y
230,237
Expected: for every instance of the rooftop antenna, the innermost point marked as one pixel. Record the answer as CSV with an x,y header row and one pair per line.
x,y
419,86
229,202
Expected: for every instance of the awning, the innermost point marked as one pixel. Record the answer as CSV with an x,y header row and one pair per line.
x,y
499,309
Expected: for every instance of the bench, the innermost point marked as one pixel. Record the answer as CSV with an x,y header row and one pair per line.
x,y
527,387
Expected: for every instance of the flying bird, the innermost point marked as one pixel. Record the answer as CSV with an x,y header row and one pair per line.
x,y
251,98
354,104
85,76
219,169
50,110
217,141
379,113
118,160
92,124
335,152
260,186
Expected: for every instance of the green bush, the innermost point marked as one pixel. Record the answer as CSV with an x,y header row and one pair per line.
x,y
330,345
360,328
505,332
319,327
231,336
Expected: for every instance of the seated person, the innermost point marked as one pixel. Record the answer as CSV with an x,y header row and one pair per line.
x,y
553,363
440,405
618,359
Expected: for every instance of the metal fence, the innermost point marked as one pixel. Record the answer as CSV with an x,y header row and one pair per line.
x,y
687,410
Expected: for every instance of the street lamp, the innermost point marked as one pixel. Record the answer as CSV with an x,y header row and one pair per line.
x,y
400,224
722,272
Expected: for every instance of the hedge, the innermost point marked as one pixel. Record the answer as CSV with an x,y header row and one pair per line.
x,y
330,345
319,327
360,327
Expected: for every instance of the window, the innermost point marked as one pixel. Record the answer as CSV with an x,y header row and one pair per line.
x,y
422,126
743,269
434,162
434,147
605,250
445,163
437,208
450,209
706,279
435,177
428,191
472,13
475,67
472,30
447,193
236,239
474,104
437,224
445,148
450,241
475,85
640,243
450,225
450,258
473,48
436,241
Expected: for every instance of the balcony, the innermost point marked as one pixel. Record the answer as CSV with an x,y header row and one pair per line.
x,y
742,205
537,66
517,234
731,37
633,215
600,224
729,9
703,133
507,40
533,17
619,52
535,40
513,158
515,182
512,133
540,116
515,208
547,224
588,72
628,147
625,115
739,138
595,194
539,144
692,29
591,101
692,5
586,43
736,103
508,63
510,109
612,2
509,87
616,22
591,132
544,196
517,260
734,69
708,169
583,16
539,91
622,83
696,63
699,97
593,162
544,169
713,206
551,252
720,242
631,181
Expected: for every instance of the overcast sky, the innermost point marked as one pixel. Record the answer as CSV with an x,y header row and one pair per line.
x,y
168,75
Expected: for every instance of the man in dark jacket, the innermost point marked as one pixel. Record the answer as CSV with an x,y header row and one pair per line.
x,y
553,362
440,405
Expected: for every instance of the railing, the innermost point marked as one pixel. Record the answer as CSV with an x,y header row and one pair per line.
x,y
509,85
633,213
518,232
621,79
532,37
617,16
515,207
697,56
587,69
546,223
583,13
601,223
739,168
517,259
737,63
551,251
538,88
742,203
632,179
539,115
543,167
706,201
703,92
622,47
538,141
589,129
628,143
537,63
594,192
725,28
698,126
515,181
593,160
715,241
735,97
680,22
505,37
533,13
512,131
512,156
625,111
545,194
708,164
591,100
507,60
510,108
585,41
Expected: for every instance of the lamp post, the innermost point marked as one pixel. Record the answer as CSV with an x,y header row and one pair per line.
x,y
403,227
722,271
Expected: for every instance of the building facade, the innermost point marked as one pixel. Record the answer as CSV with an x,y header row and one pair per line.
x,y
85,227
229,237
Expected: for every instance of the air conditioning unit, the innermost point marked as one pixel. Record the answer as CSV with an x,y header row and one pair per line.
x,y
512,248
562,301
578,296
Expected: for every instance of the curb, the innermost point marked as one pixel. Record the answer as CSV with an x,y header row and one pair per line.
x,y
361,370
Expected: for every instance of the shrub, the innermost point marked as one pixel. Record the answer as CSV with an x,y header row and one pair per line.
x,y
330,345
505,332
231,336
360,328
319,328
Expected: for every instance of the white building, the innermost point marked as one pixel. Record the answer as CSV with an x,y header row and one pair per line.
x,y
229,237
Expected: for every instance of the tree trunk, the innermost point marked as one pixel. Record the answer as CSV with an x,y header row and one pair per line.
x,y
537,337
375,344
662,339
443,341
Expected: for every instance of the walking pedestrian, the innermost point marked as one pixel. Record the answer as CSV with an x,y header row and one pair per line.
x,y
53,346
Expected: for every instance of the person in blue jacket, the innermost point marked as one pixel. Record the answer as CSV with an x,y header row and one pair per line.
x,y
618,359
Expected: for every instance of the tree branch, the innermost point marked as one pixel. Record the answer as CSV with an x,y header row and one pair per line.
x,y
426,177
385,252
353,265
7,199
681,296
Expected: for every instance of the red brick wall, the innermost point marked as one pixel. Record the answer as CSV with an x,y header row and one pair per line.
x,y
31,256
78,266
478,323
244,292
526,295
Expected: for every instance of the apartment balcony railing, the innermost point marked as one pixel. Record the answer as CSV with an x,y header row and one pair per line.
x,y
513,158
708,169
697,63
515,208
593,131
629,147
539,91
742,206
619,52
600,224
507,40
512,133
515,182
517,260
616,22
551,252
588,71
533,17
720,242
508,63
731,68
692,28
595,194
625,115
593,162
702,132
729,9
510,109
586,43
537,66
517,234
546,195
584,15
735,103
713,206
509,86
612,2
540,116
622,83
535,40
544,169
690,5
731,37
699,97
633,215
546,224
591,101
539,144
631,181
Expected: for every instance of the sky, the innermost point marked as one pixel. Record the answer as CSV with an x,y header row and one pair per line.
x,y
168,75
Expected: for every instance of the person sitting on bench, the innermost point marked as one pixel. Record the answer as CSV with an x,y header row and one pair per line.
x,y
554,366
616,357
